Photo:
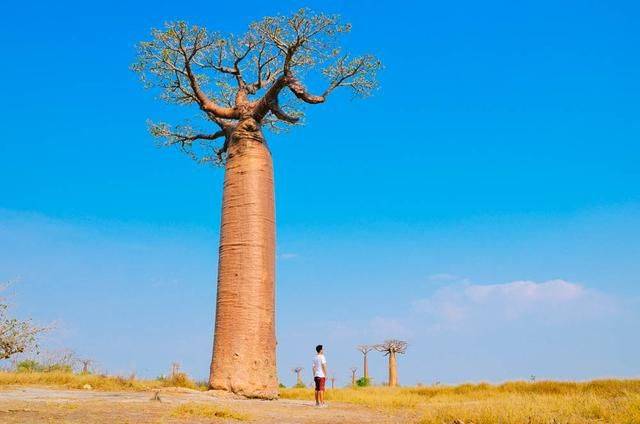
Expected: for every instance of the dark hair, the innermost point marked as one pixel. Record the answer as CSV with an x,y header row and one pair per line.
x,y
318,348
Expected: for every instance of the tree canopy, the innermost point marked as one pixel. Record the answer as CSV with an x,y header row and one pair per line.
x,y
16,336
392,346
242,83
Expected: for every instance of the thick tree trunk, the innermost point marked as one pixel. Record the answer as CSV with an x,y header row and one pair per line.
x,y
366,367
393,370
244,348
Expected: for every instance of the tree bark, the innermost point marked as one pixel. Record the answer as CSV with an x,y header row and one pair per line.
x,y
244,348
393,370
366,367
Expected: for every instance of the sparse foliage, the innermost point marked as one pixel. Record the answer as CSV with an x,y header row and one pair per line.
x,y
391,346
364,349
247,82
16,336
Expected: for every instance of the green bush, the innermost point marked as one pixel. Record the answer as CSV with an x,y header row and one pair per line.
x,y
299,386
29,365
363,382
58,368
282,386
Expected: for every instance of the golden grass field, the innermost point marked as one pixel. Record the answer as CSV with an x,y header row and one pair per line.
x,y
543,402
96,381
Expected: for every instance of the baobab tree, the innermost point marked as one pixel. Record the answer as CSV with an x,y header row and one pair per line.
x,y
242,85
86,365
333,381
392,348
175,369
298,370
365,349
353,375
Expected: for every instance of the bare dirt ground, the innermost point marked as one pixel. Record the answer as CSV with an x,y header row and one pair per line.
x,y
25,405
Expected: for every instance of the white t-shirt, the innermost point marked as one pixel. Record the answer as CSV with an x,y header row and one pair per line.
x,y
318,361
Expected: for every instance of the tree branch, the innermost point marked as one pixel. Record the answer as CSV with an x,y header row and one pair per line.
x,y
282,115
301,92
206,104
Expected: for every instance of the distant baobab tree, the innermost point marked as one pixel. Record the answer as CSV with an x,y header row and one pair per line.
x,y
298,370
365,349
175,369
333,381
241,85
392,348
353,375
86,365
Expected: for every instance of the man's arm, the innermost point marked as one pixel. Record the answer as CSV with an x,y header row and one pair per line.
x,y
324,367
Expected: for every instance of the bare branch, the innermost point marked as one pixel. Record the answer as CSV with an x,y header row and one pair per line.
x,y
364,349
359,74
16,336
233,79
392,346
282,115
186,138
167,62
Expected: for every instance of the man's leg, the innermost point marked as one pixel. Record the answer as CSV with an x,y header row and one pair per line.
x,y
322,381
317,397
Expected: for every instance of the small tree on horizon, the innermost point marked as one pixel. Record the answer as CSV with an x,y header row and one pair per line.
x,y
353,375
86,365
242,85
298,371
365,349
392,348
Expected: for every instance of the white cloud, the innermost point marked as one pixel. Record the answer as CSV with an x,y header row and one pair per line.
x,y
553,300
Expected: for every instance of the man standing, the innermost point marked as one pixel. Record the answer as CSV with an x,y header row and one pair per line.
x,y
319,375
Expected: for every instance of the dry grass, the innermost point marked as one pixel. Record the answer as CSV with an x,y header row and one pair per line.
x,y
97,382
204,410
546,402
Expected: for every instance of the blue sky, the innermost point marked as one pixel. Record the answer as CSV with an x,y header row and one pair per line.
x,y
484,204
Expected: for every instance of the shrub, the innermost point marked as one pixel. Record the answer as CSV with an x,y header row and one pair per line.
x,y
179,379
363,382
299,386
58,368
28,365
